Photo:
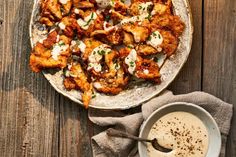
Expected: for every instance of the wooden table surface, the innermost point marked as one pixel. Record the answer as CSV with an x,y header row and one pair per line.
x,y
37,121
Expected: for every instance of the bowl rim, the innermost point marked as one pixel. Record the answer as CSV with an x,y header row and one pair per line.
x,y
199,108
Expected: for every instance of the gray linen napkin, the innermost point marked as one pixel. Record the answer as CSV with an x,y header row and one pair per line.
x,y
104,146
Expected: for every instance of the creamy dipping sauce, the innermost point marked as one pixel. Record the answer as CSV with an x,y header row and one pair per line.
x,y
181,131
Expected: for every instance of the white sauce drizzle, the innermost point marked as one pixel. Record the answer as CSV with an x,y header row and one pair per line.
x,y
96,56
130,61
58,48
97,85
84,24
143,7
146,71
77,11
62,25
63,1
103,3
78,43
155,39
108,28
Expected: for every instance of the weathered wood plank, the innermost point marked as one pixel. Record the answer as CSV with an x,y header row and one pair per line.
x,y
75,130
189,79
219,74
29,119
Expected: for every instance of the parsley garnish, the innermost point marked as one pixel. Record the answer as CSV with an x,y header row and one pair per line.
x,y
107,18
131,64
154,34
149,17
102,52
61,43
129,46
149,38
159,36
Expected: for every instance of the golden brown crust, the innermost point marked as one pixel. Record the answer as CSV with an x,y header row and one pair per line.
x,y
124,30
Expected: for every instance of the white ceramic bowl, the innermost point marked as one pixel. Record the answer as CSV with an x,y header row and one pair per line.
x,y
213,130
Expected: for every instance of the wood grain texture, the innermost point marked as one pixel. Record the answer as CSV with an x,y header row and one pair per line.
x,y
189,78
219,70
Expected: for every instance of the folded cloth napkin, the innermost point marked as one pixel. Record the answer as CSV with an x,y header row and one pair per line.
x,y
105,146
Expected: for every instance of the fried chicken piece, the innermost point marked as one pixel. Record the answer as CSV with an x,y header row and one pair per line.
x,y
53,7
113,36
79,80
161,9
91,22
170,42
147,69
84,5
112,85
128,38
70,27
170,22
145,50
140,33
142,68
90,45
50,54
66,7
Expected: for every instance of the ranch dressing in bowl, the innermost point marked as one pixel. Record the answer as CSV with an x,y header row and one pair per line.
x,y
181,131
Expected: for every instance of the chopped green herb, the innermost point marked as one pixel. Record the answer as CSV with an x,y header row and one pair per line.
x,y
155,59
117,66
78,42
159,36
149,17
131,64
149,8
149,38
108,52
102,52
61,43
140,7
107,18
130,46
154,34
93,96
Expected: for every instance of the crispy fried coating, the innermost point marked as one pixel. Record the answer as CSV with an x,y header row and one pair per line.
x,y
140,33
79,80
84,5
170,22
41,55
99,58
145,50
112,85
128,38
71,27
113,36
147,69
170,42
90,45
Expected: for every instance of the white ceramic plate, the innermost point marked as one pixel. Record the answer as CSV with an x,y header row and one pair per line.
x,y
202,114
137,92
